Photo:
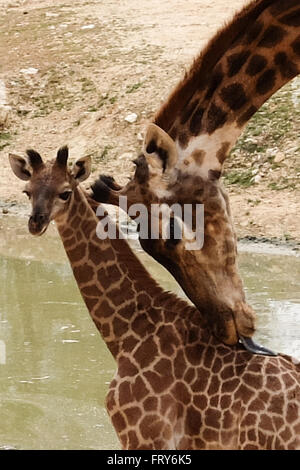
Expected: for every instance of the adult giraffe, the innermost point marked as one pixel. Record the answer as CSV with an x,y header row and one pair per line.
x,y
188,141
176,386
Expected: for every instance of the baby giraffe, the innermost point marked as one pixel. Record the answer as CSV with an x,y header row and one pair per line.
x,y
176,386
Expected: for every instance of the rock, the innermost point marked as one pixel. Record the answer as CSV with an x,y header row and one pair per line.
x,y
131,118
140,137
257,178
280,156
29,71
88,26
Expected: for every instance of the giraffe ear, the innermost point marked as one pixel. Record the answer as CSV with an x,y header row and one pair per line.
x,y
82,168
20,167
159,149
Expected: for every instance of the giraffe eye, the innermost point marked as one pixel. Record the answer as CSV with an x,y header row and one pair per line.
x,y
65,195
27,194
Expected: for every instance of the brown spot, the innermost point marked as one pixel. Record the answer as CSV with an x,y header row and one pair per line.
x,y
125,395
246,115
183,138
150,403
132,440
196,121
146,353
141,326
193,421
189,375
210,435
209,357
118,422
271,36
126,368
163,366
212,418
236,62
143,301
179,365
256,64
282,7
234,96
296,46
104,310
133,414
214,385
287,68
253,31
266,82
266,423
83,273
77,253
120,327
123,293
292,412
230,385
168,341
225,401
273,383
105,330
157,382
201,383
200,401
291,19
151,426
245,394
67,233
91,291
108,275
254,380
215,80
181,393
75,222
129,343
90,303
216,118
139,389
222,152
194,353
198,156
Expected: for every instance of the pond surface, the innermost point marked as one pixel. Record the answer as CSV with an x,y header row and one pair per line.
x,y
55,368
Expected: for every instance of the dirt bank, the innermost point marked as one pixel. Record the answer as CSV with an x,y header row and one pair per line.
x,y
72,71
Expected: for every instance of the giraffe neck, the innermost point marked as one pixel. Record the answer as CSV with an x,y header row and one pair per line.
x,y
241,67
113,283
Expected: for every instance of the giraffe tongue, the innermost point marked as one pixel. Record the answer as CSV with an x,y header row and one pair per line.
x,y
255,348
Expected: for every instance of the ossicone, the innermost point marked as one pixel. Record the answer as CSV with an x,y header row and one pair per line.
x,y
62,156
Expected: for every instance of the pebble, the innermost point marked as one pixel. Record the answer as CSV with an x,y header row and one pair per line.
x,y
88,26
131,118
29,71
279,157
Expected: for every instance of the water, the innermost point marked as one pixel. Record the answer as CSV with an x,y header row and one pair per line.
x,y
55,368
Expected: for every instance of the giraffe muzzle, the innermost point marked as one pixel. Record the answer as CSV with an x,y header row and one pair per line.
x,y
38,223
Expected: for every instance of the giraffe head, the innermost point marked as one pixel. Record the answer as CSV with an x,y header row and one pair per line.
x,y
49,185
208,273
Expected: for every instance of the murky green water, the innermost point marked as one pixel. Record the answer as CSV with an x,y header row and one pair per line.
x,y
55,368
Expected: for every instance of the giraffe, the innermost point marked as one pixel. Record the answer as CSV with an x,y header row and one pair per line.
x,y
176,386
187,143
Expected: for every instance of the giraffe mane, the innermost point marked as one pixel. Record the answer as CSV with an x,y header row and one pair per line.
x,y
196,77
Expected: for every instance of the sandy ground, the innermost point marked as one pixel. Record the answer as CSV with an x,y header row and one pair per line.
x,y
72,72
